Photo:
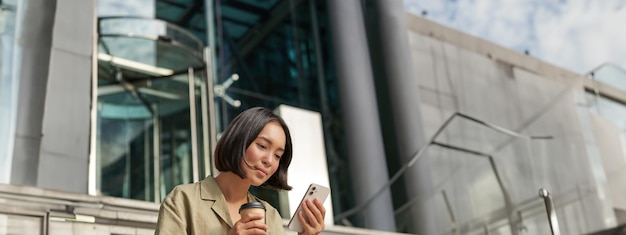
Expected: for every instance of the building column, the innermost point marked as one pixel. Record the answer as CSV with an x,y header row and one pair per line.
x,y
64,152
403,91
360,113
53,114
35,41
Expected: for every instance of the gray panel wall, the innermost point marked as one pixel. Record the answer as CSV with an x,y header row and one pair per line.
x,y
35,40
65,144
454,78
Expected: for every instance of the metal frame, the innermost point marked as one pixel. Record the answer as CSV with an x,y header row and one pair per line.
x,y
92,173
194,125
156,139
211,140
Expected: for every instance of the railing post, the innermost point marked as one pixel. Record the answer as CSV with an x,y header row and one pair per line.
x,y
554,223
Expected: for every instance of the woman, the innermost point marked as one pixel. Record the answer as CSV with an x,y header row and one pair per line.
x,y
254,150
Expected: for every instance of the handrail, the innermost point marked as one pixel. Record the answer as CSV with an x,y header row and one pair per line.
x,y
554,223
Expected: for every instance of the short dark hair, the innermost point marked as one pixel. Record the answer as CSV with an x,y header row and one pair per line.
x,y
241,132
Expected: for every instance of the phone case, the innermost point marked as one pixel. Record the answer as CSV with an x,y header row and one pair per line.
x,y
314,191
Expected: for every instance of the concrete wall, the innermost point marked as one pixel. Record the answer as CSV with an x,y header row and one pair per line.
x,y
34,39
77,213
461,73
52,135
65,145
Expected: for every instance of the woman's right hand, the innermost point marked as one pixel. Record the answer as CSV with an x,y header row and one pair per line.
x,y
249,225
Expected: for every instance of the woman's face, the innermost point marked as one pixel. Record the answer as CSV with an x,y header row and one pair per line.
x,y
263,155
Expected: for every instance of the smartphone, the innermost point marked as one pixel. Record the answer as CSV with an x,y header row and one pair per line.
x,y
314,191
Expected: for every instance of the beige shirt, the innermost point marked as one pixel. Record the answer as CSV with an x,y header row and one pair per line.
x,y
200,208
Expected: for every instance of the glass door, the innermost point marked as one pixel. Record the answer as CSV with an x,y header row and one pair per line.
x,y
151,111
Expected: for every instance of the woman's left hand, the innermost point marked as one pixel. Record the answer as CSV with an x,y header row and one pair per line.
x,y
314,212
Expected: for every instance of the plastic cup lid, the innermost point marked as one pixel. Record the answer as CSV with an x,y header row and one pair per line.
x,y
250,205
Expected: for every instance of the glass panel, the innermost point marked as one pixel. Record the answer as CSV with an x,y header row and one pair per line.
x,y
272,46
8,85
610,109
142,8
611,74
468,188
485,180
143,35
128,137
279,49
19,224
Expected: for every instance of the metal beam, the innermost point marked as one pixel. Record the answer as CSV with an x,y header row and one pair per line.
x,y
267,23
245,7
190,11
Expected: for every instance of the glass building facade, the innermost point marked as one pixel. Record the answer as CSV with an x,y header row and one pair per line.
x,y
277,51
461,138
9,52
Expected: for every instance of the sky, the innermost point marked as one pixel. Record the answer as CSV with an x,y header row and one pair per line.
x,y
577,35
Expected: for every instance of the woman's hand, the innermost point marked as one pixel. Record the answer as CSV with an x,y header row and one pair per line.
x,y
314,222
249,225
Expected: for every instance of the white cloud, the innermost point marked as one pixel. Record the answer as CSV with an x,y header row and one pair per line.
x,y
584,36
577,34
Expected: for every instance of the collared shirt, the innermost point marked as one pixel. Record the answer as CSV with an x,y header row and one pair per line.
x,y
200,208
